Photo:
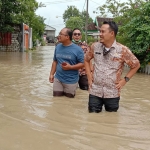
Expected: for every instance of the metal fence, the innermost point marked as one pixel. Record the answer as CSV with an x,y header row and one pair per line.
x,y
5,39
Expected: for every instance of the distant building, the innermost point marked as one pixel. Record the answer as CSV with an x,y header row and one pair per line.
x,y
99,21
49,33
93,28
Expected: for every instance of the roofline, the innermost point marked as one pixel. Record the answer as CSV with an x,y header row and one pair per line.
x,y
50,26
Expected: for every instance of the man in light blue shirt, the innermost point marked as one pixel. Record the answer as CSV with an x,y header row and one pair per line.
x,y
68,59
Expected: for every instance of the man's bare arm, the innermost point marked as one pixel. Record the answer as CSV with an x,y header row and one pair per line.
x,y
52,72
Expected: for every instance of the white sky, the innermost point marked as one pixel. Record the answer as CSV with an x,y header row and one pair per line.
x,y
57,8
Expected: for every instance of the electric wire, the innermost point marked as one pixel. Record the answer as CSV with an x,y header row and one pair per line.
x,y
58,2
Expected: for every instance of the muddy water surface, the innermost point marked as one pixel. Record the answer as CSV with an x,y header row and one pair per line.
x,y
32,119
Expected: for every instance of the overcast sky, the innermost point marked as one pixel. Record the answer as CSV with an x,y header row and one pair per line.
x,y
57,8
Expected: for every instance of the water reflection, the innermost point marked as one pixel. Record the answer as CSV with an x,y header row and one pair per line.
x,y
31,118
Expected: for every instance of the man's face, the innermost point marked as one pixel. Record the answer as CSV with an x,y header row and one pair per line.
x,y
63,36
106,34
76,35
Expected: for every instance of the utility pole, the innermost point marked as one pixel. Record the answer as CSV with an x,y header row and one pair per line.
x,y
86,24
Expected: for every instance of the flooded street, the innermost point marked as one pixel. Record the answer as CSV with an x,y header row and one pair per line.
x,y
32,119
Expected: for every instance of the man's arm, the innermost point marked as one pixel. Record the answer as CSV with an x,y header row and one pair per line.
x,y
130,74
67,66
79,61
87,64
132,71
52,72
134,65
88,71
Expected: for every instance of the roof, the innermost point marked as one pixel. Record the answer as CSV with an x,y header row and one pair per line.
x,y
100,20
91,26
97,24
47,27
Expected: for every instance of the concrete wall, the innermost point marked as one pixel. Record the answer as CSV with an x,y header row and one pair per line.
x,y
145,70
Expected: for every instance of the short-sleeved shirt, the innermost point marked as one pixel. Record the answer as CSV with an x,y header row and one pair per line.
x,y
108,68
71,54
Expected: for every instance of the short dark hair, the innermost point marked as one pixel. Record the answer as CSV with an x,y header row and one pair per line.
x,y
112,25
69,32
76,29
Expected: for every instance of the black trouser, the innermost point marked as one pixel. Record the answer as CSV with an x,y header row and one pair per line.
x,y
96,103
83,82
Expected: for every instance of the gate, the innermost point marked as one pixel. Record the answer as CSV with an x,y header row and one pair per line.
x,y
5,39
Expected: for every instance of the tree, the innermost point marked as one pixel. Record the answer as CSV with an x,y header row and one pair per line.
x,y
136,32
27,11
21,11
27,15
73,18
8,9
71,11
38,27
75,22
83,17
112,8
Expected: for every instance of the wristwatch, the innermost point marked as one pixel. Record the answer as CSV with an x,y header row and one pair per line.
x,y
126,79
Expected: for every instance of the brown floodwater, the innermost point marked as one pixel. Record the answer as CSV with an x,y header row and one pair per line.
x,y
32,119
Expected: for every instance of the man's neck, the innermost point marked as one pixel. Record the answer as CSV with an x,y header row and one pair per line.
x,y
76,42
68,43
109,45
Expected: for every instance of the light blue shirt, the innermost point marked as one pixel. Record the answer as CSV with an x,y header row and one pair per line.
x,y
71,54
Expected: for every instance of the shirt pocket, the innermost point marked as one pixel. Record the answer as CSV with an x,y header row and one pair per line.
x,y
97,57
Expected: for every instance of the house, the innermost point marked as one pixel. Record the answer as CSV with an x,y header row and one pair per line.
x,y
49,33
93,28
93,31
99,21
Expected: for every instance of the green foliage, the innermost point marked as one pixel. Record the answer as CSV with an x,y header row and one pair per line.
x,y
73,18
38,26
90,39
75,22
27,11
134,25
112,8
136,32
83,17
27,15
71,11
43,43
21,11
8,8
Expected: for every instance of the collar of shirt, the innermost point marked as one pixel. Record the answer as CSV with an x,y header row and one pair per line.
x,y
113,46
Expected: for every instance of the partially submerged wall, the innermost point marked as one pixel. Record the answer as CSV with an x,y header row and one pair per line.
x,y
14,46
